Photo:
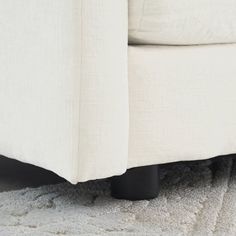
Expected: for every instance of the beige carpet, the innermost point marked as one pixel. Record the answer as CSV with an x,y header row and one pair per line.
x,y
197,198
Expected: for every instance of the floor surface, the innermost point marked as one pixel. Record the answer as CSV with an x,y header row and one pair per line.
x,y
197,198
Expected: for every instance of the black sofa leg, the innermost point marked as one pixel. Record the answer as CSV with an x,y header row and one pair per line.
x,y
141,183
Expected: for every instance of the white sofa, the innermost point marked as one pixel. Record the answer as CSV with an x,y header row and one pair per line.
x,y
91,88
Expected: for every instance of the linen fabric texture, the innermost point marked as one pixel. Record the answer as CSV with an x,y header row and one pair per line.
x,y
63,85
77,100
182,22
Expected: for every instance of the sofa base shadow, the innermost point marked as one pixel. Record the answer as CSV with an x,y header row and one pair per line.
x,y
141,183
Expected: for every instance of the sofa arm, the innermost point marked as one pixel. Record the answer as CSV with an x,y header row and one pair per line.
x,y
64,85
103,118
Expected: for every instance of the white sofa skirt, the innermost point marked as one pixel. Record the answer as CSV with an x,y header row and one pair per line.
x,y
68,104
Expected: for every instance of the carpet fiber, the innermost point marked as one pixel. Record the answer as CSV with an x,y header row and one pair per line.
x,y
197,198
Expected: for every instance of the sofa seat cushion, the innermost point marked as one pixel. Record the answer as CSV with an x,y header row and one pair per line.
x,y
181,103
182,22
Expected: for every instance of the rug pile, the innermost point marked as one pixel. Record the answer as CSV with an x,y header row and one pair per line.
x,y
197,198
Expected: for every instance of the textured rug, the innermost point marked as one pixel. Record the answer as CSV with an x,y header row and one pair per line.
x,y
197,198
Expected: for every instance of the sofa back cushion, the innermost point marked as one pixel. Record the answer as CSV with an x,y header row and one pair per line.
x,y
182,22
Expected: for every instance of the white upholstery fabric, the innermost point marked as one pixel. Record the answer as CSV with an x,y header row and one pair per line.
x,y
66,99
182,103
182,21
63,85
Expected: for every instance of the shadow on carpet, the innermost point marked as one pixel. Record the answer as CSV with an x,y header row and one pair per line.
x,y
197,198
